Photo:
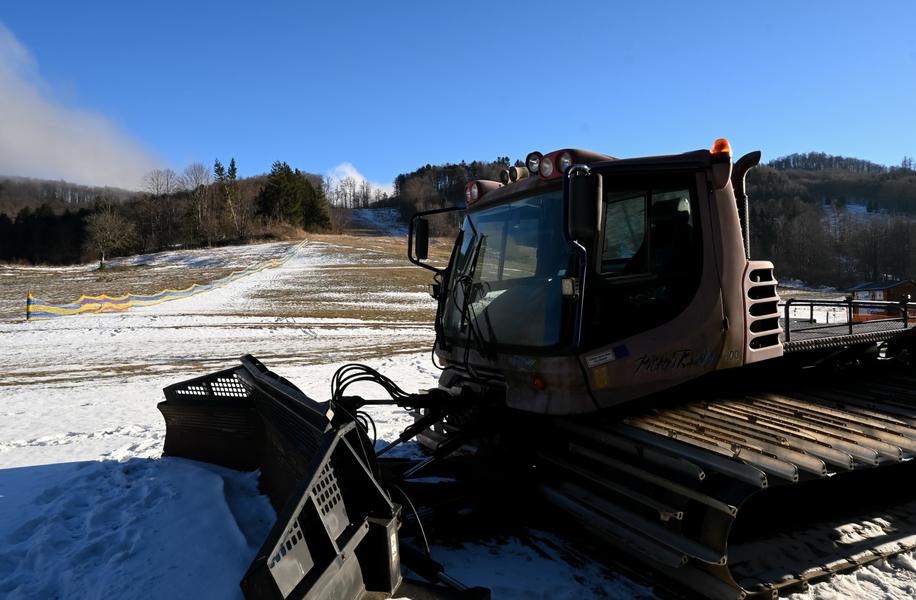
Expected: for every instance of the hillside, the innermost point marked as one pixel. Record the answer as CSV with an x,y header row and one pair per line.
x,y
823,219
17,193
836,221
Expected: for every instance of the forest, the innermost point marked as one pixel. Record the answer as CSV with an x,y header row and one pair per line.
x,y
198,207
834,221
823,220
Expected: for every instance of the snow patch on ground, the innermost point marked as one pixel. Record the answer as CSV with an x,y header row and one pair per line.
x,y
221,257
816,314
387,221
517,570
893,579
128,529
788,286
230,257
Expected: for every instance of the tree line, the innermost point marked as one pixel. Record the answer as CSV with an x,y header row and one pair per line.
x,y
17,193
198,207
818,161
440,186
806,213
350,192
825,220
834,221
43,236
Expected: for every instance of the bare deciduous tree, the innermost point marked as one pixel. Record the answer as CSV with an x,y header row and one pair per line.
x,y
196,175
364,194
160,182
196,178
109,232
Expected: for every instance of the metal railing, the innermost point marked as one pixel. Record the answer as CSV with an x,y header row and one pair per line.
x,y
850,316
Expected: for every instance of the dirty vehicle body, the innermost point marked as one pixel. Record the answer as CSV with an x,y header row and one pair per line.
x,y
591,321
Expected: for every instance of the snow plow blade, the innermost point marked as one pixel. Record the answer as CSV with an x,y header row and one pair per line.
x,y
336,534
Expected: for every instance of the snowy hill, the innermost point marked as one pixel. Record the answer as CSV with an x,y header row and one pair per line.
x,y
379,221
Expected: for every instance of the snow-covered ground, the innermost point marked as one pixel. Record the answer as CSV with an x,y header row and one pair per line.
x,y
856,211
384,220
88,509
817,314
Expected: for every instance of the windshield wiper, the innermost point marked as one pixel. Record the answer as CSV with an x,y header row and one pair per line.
x,y
486,318
468,314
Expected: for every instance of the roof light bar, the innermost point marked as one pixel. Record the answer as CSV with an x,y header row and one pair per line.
x,y
556,164
476,189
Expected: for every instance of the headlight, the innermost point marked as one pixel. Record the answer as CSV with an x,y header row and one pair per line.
x,y
533,161
516,173
474,192
546,167
564,162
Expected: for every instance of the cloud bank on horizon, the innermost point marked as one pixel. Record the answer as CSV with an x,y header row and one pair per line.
x,y
39,137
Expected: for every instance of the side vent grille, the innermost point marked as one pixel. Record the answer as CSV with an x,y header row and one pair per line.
x,y
761,302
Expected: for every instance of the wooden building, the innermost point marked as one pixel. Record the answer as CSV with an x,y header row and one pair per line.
x,y
890,291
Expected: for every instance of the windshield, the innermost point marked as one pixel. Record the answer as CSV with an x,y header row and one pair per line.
x,y
506,284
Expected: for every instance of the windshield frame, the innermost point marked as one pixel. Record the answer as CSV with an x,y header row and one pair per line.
x,y
463,337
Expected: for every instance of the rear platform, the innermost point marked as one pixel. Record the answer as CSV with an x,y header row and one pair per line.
x,y
810,325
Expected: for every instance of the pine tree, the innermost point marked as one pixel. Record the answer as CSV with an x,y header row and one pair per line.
x,y
289,197
230,189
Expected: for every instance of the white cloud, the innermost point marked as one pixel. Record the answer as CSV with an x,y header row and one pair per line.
x,y
41,138
346,169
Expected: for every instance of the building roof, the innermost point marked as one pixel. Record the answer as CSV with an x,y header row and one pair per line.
x,y
879,285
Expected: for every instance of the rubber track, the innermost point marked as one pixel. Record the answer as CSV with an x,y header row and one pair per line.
x,y
670,484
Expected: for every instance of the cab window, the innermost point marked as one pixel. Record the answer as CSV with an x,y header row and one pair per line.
x,y
624,233
647,232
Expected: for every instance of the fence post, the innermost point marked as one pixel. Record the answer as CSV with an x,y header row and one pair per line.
x,y
811,313
28,306
788,330
849,312
906,310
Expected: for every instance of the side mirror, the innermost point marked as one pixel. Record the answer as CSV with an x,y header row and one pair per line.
x,y
584,205
421,239
418,237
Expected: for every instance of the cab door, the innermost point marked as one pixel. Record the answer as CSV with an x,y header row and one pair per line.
x,y
648,253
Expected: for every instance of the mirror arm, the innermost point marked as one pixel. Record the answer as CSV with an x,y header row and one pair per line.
x,y
580,313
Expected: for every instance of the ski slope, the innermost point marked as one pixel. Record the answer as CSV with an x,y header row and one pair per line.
x,y
88,509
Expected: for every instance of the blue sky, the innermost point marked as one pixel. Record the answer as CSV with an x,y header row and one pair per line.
x,y
390,86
